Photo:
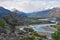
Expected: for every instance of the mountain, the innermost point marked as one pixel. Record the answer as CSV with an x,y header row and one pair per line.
x,y
4,12
54,13
39,13
17,13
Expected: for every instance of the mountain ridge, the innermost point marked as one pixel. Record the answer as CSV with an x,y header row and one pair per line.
x,y
4,12
39,13
54,12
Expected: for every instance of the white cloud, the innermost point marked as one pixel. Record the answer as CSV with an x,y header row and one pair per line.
x,y
29,6
29,0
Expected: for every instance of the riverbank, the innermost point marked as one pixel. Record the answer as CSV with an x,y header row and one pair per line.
x,y
45,29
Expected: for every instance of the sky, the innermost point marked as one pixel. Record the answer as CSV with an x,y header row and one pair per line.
x,y
29,5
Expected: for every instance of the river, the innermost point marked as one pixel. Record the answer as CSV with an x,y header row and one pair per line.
x,y
39,27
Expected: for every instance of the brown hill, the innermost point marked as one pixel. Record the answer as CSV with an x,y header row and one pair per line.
x,y
54,13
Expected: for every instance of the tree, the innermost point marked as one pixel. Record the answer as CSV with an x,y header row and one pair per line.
x,y
2,25
56,36
40,38
30,38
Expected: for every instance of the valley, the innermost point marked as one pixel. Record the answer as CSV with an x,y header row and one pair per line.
x,y
17,25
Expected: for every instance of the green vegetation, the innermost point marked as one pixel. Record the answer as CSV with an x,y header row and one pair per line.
x,y
57,26
2,25
40,38
36,21
33,38
30,38
13,21
16,39
56,35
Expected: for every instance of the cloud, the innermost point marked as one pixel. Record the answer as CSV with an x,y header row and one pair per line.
x,y
29,5
29,0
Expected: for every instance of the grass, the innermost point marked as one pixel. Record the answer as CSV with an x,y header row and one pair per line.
x,y
36,21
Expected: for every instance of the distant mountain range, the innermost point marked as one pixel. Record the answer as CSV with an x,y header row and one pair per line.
x,y
39,13
54,12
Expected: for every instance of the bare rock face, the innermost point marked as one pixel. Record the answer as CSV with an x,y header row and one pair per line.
x,y
3,31
54,13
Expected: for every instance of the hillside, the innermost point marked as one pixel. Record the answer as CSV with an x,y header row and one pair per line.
x,y
39,14
54,13
16,13
4,12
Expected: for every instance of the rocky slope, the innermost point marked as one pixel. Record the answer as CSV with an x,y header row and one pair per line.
x,y
54,13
